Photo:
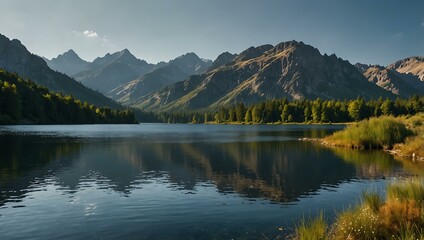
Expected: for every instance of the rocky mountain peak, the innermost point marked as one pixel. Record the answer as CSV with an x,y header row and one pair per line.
x,y
16,42
188,57
295,46
69,55
126,55
122,56
253,52
15,45
289,44
14,56
364,67
191,63
223,59
68,62
410,65
407,61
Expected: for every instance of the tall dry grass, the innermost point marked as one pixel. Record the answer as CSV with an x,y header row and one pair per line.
x,y
414,145
400,216
382,132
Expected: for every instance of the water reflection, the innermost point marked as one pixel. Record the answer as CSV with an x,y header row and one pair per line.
x,y
370,164
27,161
280,171
175,181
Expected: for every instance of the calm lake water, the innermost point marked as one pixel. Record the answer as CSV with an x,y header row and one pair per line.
x,y
160,181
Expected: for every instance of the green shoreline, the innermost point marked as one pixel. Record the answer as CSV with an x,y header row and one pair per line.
x,y
401,136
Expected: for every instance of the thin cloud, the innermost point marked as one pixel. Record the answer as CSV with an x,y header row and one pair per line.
x,y
93,37
422,24
90,34
87,34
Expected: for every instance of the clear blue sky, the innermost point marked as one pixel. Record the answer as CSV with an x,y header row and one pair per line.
x,y
367,31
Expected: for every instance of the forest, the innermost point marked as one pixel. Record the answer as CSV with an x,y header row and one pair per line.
x,y
300,111
23,101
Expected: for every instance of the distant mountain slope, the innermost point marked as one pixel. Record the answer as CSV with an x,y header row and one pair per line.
x,y
106,73
175,70
411,65
68,63
290,69
398,83
401,84
148,83
14,57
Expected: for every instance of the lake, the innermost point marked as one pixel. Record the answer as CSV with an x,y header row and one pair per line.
x,y
161,181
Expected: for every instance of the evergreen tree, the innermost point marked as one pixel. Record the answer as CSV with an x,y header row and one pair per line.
x,y
387,107
285,113
356,109
308,114
206,117
248,116
316,111
240,112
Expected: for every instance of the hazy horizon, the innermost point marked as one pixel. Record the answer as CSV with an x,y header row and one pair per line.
x,y
377,32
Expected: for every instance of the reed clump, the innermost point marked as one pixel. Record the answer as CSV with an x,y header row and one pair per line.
x,y
312,229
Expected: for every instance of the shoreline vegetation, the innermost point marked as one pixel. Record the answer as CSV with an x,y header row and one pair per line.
x,y
401,136
401,214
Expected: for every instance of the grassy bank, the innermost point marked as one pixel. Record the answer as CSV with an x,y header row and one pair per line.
x,y
403,136
413,146
399,216
382,132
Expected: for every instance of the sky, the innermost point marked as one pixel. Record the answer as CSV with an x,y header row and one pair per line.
x,y
366,31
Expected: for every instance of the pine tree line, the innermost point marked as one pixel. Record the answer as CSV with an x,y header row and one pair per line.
x,y
302,111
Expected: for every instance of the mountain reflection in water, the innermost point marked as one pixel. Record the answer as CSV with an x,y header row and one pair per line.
x,y
267,164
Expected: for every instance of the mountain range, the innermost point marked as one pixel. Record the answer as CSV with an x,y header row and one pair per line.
x,y
108,72
68,63
122,75
291,70
14,57
174,71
